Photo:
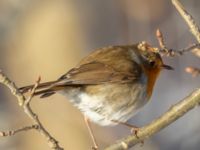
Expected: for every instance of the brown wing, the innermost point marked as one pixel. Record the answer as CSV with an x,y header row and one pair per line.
x,y
94,73
86,74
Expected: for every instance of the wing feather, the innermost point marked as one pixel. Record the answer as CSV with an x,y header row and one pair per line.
x,y
95,73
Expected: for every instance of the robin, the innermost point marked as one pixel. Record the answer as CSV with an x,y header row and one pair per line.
x,y
110,85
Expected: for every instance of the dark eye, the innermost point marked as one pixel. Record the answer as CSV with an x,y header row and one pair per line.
x,y
152,63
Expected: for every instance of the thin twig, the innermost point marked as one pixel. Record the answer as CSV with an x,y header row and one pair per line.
x,y
194,30
28,100
12,87
160,38
174,113
13,132
190,21
53,143
164,51
25,103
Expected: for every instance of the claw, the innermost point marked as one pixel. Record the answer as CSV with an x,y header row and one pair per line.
x,y
135,131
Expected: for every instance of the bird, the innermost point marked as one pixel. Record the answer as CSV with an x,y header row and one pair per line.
x,y
110,85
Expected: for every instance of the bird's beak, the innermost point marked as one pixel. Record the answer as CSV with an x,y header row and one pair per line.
x,y
167,67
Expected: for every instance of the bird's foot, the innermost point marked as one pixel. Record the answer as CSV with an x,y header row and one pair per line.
x,y
134,130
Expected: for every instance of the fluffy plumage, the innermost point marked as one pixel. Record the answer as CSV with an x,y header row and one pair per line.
x,y
111,83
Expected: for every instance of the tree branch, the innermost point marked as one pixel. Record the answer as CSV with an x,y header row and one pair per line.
x,y
13,132
194,30
190,22
14,90
25,104
165,51
174,113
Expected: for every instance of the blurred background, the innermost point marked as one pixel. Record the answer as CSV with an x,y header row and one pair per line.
x,y
48,37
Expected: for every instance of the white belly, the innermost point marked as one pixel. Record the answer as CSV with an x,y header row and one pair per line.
x,y
102,109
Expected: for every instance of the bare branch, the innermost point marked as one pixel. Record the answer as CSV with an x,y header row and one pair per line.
x,y
13,132
25,104
190,21
160,38
174,113
28,100
164,51
12,87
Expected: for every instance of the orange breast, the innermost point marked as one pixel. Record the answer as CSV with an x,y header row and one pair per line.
x,y
152,75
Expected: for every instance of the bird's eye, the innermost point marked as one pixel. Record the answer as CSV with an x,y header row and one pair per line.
x,y
152,63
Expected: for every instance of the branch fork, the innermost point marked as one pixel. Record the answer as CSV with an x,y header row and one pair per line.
x,y
25,104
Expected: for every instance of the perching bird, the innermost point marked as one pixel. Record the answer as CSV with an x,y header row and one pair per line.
x,y
109,85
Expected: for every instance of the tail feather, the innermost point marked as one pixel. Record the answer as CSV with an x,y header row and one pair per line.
x,y
43,89
45,93
25,89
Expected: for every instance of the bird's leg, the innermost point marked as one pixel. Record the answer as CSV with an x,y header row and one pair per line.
x,y
87,122
134,129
